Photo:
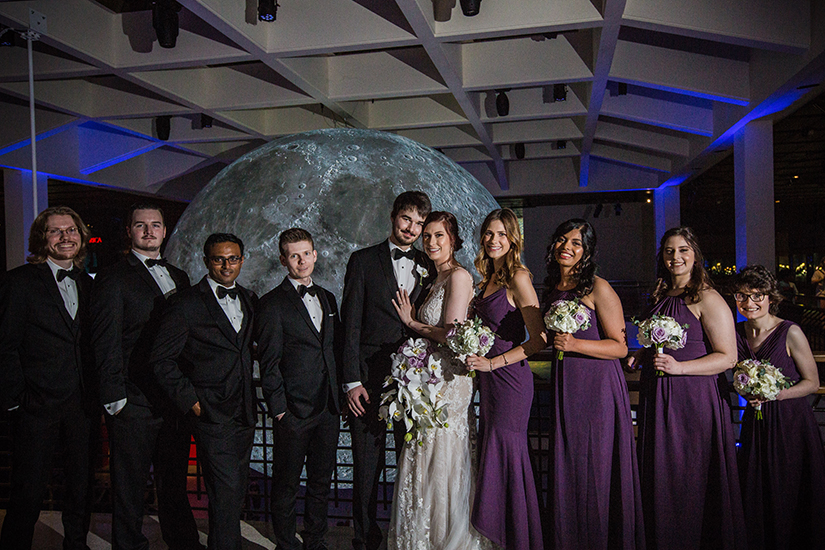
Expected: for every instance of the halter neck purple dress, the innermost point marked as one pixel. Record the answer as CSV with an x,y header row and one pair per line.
x,y
506,508
781,461
686,450
595,500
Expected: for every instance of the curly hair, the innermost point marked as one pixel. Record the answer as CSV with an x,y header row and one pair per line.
x,y
758,278
512,261
699,278
585,270
39,241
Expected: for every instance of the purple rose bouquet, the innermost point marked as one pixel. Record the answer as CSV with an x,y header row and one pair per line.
x,y
567,316
760,380
661,331
470,337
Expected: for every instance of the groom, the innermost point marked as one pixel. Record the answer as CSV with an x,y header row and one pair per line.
x,y
372,332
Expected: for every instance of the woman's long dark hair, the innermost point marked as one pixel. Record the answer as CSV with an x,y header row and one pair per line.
x,y
585,271
699,278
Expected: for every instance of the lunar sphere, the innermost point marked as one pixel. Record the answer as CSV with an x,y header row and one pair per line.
x,y
338,184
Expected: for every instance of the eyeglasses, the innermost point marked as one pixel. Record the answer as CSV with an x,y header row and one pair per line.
x,y
220,260
741,297
54,232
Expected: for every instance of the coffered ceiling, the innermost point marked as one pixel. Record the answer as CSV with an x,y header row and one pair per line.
x,y
655,89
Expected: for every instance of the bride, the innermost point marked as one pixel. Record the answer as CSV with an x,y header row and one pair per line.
x,y
434,481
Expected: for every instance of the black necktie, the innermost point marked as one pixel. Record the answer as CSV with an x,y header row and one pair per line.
x,y
304,290
223,292
397,254
70,273
160,261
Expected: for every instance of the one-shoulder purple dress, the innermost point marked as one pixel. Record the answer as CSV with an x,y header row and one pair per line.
x,y
595,500
686,450
781,461
506,509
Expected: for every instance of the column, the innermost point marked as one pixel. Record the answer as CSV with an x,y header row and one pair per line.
x,y
667,210
754,202
19,203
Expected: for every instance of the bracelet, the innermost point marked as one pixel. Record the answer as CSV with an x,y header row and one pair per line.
x,y
504,356
491,364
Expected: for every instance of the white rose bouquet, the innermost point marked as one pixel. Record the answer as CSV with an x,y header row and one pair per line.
x,y
661,331
760,380
567,316
416,400
470,337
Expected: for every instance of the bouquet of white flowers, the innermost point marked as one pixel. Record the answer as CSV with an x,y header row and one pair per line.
x,y
567,316
759,379
416,400
470,337
661,331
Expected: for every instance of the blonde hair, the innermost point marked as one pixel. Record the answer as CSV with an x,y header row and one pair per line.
x,y
39,241
512,260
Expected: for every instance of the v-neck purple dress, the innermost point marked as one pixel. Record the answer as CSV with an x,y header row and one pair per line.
x,y
506,508
595,500
686,450
781,461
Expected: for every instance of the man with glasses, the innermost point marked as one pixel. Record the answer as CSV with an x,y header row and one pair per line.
x,y
44,384
202,357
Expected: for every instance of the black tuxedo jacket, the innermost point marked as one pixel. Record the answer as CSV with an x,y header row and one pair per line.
x,y
44,353
125,311
372,329
298,364
198,357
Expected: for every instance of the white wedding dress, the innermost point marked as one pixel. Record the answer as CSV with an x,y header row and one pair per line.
x,y
434,482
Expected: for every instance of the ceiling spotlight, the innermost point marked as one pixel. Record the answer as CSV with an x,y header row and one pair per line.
x,y
502,103
617,209
561,144
622,88
442,10
470,7
559,92
163,127
206,121
165,21
267,10
519,150
598,210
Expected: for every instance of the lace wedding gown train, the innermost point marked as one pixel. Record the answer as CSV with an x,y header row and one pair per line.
x,y
434,481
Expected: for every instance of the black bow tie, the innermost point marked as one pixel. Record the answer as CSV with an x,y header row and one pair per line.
x,y
397,254
160,261
72,274
304,290
223,292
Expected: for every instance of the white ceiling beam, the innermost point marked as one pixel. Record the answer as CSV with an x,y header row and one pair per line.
x,y
643,139
656,112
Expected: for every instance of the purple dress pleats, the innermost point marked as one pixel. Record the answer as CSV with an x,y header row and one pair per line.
x,y
595,500
686,450
506,508
781,461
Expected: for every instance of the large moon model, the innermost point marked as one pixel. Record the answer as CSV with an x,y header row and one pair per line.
x,y
338,184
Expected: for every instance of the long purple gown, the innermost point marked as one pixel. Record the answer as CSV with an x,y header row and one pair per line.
x,y
781,461
686,450
595,499
506,509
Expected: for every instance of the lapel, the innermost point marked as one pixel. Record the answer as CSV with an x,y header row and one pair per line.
x,y
47,277
296,301
385,261
245,333
143,271
420,261
217,313
327,320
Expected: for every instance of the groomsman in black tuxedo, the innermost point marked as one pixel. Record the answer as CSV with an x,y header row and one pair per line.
x,y
372,332
202,356
45,385
145,428
299,340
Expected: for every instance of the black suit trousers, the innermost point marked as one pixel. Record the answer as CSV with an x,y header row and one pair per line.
x,y
316,440
35,438
224,451
138,440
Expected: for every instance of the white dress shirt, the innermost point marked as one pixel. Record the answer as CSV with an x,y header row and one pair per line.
x,y
67,287
312,303
230,306
404,270
159,273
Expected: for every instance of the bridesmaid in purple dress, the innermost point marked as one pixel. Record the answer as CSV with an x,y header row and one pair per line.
x,y
781,461
686,452
506,508
595,501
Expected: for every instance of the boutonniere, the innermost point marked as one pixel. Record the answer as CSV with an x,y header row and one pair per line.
x,y
422,273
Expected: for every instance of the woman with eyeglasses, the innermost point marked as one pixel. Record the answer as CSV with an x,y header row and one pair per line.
x,y
686,447
781,460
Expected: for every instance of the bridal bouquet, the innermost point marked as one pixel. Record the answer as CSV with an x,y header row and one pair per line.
x,y
661,331
567,316
760,380
416,400
470,337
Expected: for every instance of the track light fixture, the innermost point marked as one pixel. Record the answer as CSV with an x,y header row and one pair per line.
x,y
163,126
561,144
502,103
598,210
206,121
268,10
519,150
165,21
559,92
622,88
617,209
470,7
